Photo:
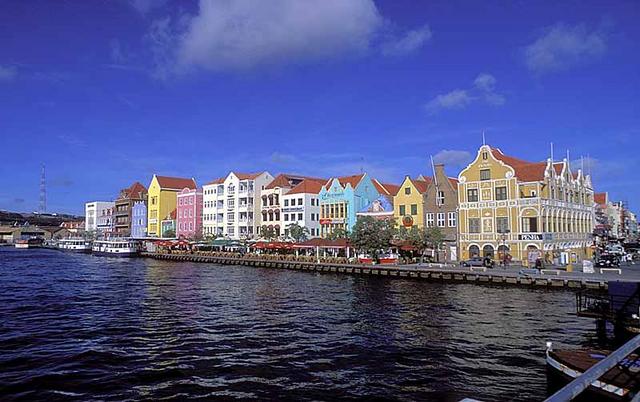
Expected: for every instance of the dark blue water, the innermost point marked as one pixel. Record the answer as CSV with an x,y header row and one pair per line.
x,y
77,327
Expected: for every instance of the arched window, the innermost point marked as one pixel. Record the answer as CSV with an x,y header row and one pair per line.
x,y
474,251
487,251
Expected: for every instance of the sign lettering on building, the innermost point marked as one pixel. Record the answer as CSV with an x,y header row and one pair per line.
x,y
530,236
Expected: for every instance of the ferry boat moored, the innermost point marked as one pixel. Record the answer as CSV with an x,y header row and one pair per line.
x,y
116,248
78,245
28,243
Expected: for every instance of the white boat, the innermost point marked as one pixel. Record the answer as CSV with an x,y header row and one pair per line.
x,y
116,248
78,245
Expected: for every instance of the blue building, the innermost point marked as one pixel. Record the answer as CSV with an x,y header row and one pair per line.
x,y
139,219
342,197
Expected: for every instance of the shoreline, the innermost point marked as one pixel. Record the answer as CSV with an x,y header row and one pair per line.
x,y
549,279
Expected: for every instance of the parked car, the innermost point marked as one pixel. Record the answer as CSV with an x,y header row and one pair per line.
x,y
478,262
608,260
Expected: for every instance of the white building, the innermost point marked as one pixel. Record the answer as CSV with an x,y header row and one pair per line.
x,y
231,206
272,202
301,205
98,216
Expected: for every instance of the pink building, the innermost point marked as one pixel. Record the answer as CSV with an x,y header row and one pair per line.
x,y
189,213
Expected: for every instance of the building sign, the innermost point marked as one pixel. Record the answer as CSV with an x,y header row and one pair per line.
x,y
530,236
329,221
293,209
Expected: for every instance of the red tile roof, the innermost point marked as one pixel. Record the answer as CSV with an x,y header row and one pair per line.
x,y
136,190
454,182
175,183
384,188
307,186
422,185
289,180
353,180
601,198
247,176
526,171
219,180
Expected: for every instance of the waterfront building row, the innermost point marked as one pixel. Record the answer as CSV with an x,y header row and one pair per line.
x,y
497,205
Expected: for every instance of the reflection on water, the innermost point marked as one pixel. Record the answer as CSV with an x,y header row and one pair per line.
x,y
81,327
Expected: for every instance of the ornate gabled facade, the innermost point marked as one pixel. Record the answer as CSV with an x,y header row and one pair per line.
x,y
527,209
162,200
342,197
408,202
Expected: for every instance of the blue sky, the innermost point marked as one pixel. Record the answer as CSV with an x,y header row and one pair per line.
x,y
109,92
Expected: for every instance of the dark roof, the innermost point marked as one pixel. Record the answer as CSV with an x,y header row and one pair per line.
x,y
307,186
176,183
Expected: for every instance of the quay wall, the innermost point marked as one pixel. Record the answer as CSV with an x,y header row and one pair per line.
x,y
428,272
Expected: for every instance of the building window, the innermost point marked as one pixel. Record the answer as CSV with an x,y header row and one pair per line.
x,y
402,210
407,190
529,225
474,225
441,219
484,156
485,174
286,217
501,193
300,216
440,198
472,195
430,219
502,224
452,219
286,203
414,209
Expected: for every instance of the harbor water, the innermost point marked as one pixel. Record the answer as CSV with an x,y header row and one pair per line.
x,y
78,327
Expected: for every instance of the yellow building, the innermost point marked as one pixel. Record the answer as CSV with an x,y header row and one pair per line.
x,y
163,199
528,209
408,203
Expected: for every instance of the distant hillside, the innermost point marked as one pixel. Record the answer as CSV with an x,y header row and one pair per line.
x,y
10,218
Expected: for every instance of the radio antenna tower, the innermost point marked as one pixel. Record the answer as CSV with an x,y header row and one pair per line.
x,y
43,192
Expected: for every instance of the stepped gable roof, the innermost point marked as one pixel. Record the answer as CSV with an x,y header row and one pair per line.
x,y
601,198
307,186
285,179
344,180
175,183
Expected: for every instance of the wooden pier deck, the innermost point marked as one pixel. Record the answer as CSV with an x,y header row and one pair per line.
x,y
552,279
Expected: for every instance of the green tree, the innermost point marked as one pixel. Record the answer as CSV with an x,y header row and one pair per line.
x,y
337,234
435,240
371,235
267,233
298,233
415,237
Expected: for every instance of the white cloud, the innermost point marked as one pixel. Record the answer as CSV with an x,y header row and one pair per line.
x,y
243,34
7,73
485,82
483,90
456,99
410,42
562,46
454,158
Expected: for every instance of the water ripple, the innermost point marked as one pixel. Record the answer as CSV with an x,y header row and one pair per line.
x,y
75,327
